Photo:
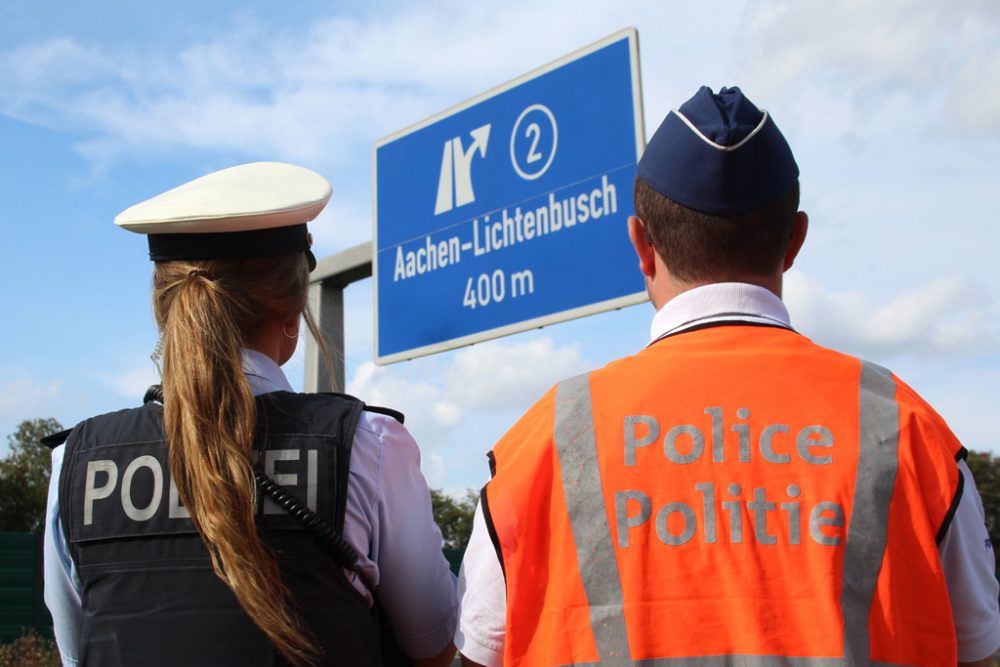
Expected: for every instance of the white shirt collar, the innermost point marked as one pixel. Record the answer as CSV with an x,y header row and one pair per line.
x,y
719,302
263,373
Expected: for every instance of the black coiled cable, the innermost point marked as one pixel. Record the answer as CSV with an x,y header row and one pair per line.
x,y
154,393
342,551
345,554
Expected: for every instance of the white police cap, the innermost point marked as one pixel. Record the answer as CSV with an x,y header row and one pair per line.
x,y
250,210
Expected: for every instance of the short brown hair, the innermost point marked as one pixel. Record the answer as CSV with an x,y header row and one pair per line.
x,y
696,246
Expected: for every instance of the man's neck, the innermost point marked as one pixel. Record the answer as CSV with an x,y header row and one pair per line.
x,y
670,287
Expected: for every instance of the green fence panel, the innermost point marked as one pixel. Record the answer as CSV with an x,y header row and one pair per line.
x,y
21,602
454,557
21,585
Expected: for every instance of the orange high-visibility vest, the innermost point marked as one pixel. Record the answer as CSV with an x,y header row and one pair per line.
x,y
733,495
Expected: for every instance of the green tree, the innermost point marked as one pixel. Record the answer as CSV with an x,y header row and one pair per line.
x,y
24,476
986,470
454,517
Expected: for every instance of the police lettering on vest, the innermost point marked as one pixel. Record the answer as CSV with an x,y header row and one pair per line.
x,y
139,488
677,522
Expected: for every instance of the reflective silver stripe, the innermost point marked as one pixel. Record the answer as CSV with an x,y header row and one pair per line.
x,y
863,551
595,553
731,661
878,447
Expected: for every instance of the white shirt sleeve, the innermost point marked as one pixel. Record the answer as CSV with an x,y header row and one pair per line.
x,y
967,558
413,581
969,568
62,585
482,599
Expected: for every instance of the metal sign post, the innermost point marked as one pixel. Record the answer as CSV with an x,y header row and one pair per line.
x,y
508,212
326,300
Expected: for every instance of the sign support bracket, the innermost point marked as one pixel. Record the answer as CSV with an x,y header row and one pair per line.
x,y
326,300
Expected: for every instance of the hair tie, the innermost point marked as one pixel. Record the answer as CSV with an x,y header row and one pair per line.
x,y
195,273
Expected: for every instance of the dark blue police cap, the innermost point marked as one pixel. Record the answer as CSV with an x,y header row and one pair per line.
x,y
719,154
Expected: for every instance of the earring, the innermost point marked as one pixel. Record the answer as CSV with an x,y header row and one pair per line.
x,y
293,334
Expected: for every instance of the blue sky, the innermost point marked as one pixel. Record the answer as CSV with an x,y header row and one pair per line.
x,y
892,109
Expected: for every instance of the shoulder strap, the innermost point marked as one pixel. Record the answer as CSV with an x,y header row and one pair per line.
x,y
350,425
55,439
388,412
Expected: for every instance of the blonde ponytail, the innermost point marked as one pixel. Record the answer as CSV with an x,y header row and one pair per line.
x,y
207,311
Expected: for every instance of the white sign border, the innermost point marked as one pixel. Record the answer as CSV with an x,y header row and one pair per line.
x,y
632,35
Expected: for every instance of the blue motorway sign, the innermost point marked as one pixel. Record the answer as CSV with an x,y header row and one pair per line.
x,y
508,212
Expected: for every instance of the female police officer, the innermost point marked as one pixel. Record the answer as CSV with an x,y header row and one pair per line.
x,y
159,546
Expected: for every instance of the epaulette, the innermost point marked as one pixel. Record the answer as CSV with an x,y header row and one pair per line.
x,y
55,439
388,412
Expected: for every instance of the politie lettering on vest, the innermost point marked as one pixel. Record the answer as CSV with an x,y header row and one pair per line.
x,y
732,493
111,481
676,523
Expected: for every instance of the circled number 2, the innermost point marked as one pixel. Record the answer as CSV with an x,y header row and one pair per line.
x,y
535,133
533,141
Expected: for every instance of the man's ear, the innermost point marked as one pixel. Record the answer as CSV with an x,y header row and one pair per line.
x,y
643,247
799,228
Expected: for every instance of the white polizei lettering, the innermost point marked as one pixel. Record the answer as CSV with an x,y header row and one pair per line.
x,y
174,508
144,513
92,492
285,479
312,468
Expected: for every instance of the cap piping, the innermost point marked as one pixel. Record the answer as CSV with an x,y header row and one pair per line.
x,y
726,149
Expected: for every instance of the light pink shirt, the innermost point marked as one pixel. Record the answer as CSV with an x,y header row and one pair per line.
x,y
388,521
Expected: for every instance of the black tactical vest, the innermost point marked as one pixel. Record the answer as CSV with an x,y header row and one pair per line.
x,y
150,596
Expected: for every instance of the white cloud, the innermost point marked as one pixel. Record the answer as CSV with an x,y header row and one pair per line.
x,y
947,317
26,398
501,374
321,97
430,412
132,383
866,53
457,404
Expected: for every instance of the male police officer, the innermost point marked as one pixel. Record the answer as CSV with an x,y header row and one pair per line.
x,y
733,494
